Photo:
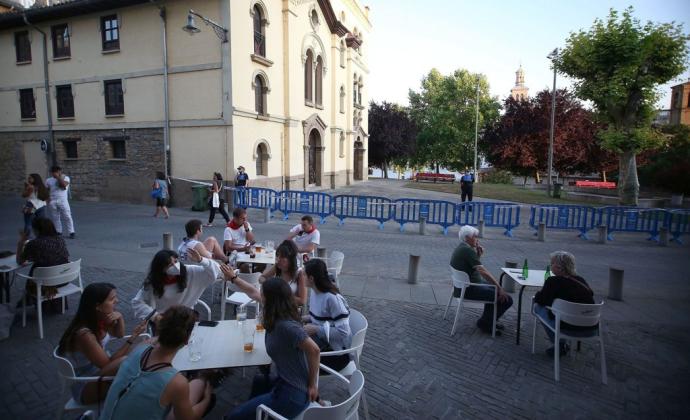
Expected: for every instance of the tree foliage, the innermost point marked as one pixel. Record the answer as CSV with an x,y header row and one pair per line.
x,y
617,65
392,135
444,110
669,166
519,141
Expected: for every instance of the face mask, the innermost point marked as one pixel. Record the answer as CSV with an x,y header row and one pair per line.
x,y
173,270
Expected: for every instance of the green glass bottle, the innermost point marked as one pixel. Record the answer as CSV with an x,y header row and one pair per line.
x,y
525,270
548,272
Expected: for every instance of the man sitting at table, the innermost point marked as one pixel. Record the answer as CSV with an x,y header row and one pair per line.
x,y
564,284
209,248
238,235
466,258
305,235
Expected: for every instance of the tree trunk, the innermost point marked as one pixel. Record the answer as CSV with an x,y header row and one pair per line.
x,y
437,168
628,184
536,177
603,175
385,170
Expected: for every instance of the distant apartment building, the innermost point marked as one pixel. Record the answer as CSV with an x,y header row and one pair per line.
x,y
282,93
680,104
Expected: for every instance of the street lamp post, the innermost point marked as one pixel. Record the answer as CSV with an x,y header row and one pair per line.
x,y
552,56
192,29
476,131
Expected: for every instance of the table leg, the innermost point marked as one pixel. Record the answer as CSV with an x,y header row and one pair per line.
x,y
517,335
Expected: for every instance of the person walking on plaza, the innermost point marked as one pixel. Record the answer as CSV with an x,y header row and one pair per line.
x,y
466,186
58,205
216,202
466,258
563,284
36,195
160,186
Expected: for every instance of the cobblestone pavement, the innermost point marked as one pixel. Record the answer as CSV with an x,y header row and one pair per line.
x,y
413,368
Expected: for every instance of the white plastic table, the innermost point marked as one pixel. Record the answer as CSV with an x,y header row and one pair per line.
x,y
8,266
223,347
535,278
262,257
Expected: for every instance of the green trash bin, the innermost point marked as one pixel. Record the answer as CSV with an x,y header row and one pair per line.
x,y
557,187
200,198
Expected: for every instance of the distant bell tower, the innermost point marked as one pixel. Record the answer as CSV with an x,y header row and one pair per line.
x,y
519,91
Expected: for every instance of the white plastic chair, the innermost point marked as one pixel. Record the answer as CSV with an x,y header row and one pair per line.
x,y
206,308
358,327
334,264
346,410
461,280
577,314
239,298
52,276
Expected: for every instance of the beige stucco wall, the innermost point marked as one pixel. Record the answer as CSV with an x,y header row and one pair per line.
x,y
195,151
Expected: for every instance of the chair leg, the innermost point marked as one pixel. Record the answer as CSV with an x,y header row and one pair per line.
x,y
63,304
534,332
365,405
604,377
39,309
493,325
457,316
448,306
556,356
24,310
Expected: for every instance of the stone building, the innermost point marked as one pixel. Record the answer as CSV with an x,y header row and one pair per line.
x,y
680,104
519,91
278,86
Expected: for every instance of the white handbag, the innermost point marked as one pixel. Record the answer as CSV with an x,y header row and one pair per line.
x,y
215,203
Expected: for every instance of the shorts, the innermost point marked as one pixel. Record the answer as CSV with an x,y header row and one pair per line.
x,y
160,202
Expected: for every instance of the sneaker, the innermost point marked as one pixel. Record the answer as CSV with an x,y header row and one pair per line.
x,y
208,224
563,350
72,235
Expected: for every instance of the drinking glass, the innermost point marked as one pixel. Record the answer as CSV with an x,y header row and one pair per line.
x,y
194,346
248,337
270,246
241,313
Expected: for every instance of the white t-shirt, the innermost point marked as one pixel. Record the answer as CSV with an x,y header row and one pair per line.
x,y
237,236
303,239
184,246
57,193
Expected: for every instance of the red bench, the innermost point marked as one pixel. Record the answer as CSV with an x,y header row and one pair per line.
x,y
595,184
430,176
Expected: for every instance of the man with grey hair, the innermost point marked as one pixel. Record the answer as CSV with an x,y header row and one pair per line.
x,y
563,284
466,258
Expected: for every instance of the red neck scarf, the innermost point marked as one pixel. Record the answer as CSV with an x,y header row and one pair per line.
x,y
313,228
234,226
169,280
102,325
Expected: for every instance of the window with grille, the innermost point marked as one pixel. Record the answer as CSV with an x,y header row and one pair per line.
x,y
308,77
259,96
259,32
118,148
110,33
70,147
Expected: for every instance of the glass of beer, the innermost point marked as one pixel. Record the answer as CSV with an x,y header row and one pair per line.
x,y
259,322
259,248
248,338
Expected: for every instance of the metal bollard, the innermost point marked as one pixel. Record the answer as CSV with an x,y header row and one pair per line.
x,y
481,228
321,252
267,215
615,283
603,234
663,236
508,283
422,225
541,232
413,269
168,241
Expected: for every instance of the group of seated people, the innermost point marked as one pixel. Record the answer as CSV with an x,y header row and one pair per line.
x,y
564,283
145,381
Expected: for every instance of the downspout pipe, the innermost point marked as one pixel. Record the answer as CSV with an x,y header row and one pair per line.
x,y
166,107
46,86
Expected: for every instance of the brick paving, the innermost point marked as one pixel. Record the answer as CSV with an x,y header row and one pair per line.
x,y
413,368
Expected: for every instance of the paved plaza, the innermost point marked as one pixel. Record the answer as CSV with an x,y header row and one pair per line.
x,y
412,367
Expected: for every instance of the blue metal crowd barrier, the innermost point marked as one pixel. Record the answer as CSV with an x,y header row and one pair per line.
x,y
505,215
435,212
362,207
632,219
678,223
305,202
560,216
258,198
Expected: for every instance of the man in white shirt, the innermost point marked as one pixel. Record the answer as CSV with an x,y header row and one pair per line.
x,y
58,184
238,235
209,248
305,235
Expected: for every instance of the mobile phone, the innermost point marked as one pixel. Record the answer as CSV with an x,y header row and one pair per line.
x,y
208,323
150,315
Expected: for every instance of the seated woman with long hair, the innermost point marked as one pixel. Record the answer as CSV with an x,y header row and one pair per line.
x,y
95,323
286,268
328,322
295,355
148,387
171,283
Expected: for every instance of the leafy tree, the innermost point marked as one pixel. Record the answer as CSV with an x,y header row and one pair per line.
x,y
391,135
444,111
519,141
617,65
669,166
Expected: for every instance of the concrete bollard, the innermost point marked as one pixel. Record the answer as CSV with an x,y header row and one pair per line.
x,y
615,283
663,236
541,232
267,215
168,241
321,252
413,269
422,225
481,228
508,283
602,234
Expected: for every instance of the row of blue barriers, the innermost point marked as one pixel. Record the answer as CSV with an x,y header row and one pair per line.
x,y
615,218
381,209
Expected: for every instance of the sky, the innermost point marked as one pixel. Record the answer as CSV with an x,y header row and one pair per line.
x,y
493,37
